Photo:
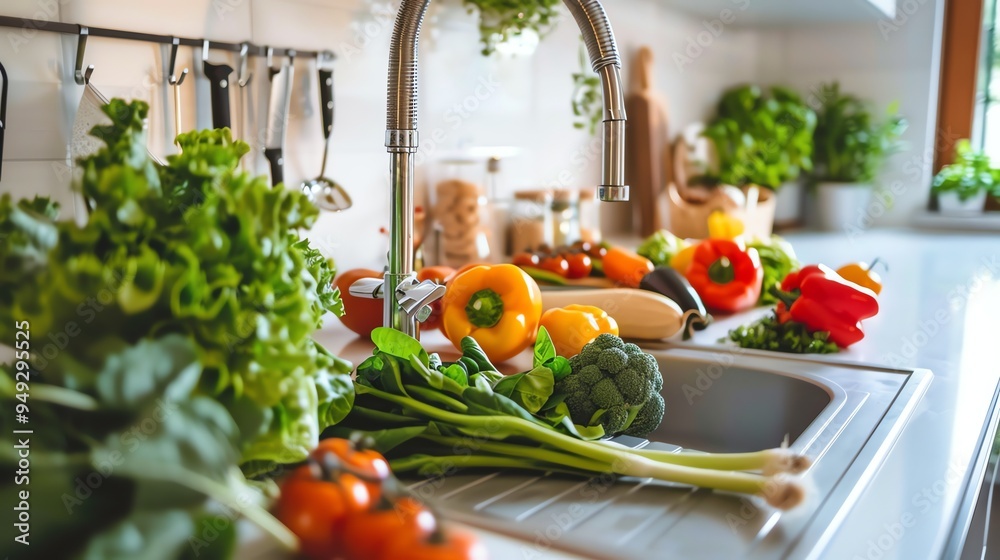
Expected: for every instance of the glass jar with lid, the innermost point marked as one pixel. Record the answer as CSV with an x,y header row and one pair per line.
x,y
531,220
590,216
565,216
461,213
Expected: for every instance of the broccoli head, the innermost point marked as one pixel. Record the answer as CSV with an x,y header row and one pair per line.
x,y
616,385
649,417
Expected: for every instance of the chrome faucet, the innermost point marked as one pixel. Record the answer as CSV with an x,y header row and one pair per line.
x,y
405,298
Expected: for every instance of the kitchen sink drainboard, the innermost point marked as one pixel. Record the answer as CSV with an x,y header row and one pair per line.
x,y
844,417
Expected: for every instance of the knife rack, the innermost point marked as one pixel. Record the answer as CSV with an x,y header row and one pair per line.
x,y
74,29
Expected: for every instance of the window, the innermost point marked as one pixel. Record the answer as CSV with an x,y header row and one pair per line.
x,y
986,128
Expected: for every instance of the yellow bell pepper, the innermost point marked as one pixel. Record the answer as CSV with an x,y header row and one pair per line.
x,y
499,306
682,260
862,274
574,326
724,226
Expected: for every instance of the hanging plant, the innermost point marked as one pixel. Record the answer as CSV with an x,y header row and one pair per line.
x,y
588,100
500,20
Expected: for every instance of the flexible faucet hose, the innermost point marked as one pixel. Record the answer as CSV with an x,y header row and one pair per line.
x,y
402,109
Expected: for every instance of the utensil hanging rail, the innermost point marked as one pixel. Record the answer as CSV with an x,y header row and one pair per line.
x,y
74,29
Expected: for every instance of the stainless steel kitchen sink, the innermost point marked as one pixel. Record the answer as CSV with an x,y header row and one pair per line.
x,y
844,417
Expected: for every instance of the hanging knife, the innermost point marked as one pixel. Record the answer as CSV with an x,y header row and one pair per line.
x,y
278,107
3,112
218,76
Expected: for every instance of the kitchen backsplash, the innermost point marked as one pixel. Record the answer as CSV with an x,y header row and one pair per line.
x,y
466,99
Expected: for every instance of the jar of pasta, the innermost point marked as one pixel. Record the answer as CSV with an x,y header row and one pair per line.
x,y
531,220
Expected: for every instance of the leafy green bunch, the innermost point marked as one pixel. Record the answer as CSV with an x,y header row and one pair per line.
x,y
970,174
183,307
764,141
500,20
850,144
777,259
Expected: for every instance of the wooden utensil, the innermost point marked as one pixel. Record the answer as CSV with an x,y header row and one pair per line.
x,y
646,137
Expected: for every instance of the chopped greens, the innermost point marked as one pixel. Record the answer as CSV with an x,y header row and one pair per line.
x,y
768,334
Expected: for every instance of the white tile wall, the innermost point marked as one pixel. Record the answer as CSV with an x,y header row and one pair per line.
x,y
885,61
525,105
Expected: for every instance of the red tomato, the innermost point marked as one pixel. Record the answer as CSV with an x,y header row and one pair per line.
x,y
556,264
372,533
525,259
316,510
361,315
438,274
450,545
579,265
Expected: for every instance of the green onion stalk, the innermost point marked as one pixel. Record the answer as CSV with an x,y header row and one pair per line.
x,y
716,471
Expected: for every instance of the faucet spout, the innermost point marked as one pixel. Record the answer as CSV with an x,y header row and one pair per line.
x,y
402,140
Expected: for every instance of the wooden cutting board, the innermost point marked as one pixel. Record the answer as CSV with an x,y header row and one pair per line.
x,y
646,140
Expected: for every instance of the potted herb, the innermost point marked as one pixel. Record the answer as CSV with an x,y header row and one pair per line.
x,y
850,147
961,187
764,141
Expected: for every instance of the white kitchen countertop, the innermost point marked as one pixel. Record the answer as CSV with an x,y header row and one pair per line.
x,y
940,310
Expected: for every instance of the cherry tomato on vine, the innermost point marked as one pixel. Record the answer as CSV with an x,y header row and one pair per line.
x,y
597,251
579,265
556,264
525,259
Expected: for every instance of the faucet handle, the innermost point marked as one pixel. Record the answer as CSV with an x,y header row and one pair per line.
x,y
371,288
415,297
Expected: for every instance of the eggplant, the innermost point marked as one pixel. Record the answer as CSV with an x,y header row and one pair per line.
x,y
670,283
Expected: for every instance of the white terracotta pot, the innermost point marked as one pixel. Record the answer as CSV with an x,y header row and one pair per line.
x,y
842,206
788,203
949,203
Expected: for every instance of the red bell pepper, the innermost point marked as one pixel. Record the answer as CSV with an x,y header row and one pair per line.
x,y
819,298
726,275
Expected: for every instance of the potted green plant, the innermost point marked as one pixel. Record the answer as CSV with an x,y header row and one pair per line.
x,y
962,187
764,141
849,148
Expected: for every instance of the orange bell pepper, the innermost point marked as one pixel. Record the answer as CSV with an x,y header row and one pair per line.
x,y
499,306
862,274
574,326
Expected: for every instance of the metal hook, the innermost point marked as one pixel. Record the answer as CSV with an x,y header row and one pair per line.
x,y
173,79
79,75
271,70
244,76
326,57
